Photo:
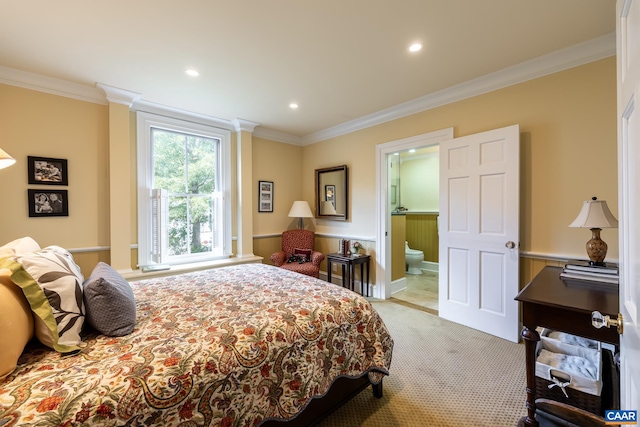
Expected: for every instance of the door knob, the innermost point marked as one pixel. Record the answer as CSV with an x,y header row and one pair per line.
x,y
599,320
510,244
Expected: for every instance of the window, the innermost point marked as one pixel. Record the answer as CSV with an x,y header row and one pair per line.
x,y
183,178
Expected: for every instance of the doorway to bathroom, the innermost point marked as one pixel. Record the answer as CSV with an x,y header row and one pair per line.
x,y
479,227
405,211
415,204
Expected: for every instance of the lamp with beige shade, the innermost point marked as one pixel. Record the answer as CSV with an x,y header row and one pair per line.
x,y
300,209
595,214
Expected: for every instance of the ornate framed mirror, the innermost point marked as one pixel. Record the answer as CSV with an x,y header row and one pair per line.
x,y
332,193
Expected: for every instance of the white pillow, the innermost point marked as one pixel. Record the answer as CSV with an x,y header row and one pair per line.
x,y
23,245
52,283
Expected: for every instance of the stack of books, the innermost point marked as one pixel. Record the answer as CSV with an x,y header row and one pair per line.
x,y
582,270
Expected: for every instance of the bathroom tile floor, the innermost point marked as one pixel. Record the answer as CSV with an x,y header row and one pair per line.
x,y
421,291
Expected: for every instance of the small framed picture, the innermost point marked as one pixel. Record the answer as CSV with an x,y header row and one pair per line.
x,y
48,203
330,194
45,170
265,196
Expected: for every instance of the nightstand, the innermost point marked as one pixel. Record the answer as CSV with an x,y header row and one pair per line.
x,y
348,273
563,305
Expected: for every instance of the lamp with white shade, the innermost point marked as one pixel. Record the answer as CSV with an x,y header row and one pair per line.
x,y
595,214
300,209
327,208
5,159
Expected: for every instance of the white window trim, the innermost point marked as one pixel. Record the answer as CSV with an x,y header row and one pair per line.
x,y
145,121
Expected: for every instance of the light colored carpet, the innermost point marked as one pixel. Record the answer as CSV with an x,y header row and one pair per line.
x,y
442,374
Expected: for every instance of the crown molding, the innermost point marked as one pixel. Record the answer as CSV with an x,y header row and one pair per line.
x,y
40,83
244,125
573,56
119,96
274,135
177,113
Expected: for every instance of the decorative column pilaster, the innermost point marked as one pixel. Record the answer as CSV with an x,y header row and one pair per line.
x,y
244,191
120,173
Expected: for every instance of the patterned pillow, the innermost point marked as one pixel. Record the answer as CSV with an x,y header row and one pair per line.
x,y
305,254
52,283
109,303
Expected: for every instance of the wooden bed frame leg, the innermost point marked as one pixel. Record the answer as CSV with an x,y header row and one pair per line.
x,y
377,389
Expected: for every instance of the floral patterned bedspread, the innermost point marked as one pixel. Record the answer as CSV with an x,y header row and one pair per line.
x,y
232,346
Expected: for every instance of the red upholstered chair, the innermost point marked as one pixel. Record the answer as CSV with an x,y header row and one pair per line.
x,y
298,241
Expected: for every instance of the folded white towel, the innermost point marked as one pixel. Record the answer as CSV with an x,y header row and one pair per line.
x,y
572,339
575,365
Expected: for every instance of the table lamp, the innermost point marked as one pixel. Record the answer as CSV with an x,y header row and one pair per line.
x,y
326,208
595,214
5,159
300,209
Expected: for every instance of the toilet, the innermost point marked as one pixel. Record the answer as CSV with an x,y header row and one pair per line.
x,y
413,258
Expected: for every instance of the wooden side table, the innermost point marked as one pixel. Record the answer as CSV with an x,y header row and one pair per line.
x,y
563,305
348,276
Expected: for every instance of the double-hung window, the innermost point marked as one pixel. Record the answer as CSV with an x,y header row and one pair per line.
x,y
183,183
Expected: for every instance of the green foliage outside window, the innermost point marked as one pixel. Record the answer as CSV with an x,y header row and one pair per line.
x,y
185,165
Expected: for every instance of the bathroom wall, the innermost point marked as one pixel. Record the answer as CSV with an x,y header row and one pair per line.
x,y
422,234
419,179
398,231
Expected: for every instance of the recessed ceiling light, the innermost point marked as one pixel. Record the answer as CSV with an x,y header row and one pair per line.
x,y
293,106
191,72
413,150
415,47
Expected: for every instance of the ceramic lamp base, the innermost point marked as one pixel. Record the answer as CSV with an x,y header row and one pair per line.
x,y
596,248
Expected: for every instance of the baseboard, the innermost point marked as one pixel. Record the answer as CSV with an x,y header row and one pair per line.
x,y
398,285
430,266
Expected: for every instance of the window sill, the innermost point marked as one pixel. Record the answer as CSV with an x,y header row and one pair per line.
x,y
186,268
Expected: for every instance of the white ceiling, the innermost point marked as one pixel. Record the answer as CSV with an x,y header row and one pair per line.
x,y
341,60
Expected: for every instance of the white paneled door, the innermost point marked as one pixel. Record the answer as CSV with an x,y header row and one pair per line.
x,y
628,57
479,231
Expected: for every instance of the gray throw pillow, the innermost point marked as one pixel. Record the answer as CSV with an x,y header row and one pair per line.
x,y
109,303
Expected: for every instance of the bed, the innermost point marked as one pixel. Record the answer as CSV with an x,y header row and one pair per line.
x,y
244,345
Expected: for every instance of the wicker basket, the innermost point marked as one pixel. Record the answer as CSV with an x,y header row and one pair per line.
x,y
577,398
588,402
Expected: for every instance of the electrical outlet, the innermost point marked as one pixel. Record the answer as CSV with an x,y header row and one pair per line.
x,y
334,267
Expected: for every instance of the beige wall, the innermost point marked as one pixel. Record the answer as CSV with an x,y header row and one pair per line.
x,y
568,154
568,146
281,164
38,124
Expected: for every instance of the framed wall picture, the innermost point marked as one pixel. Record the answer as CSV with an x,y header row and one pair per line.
x,y
48,203
265,196
330,194
45,170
